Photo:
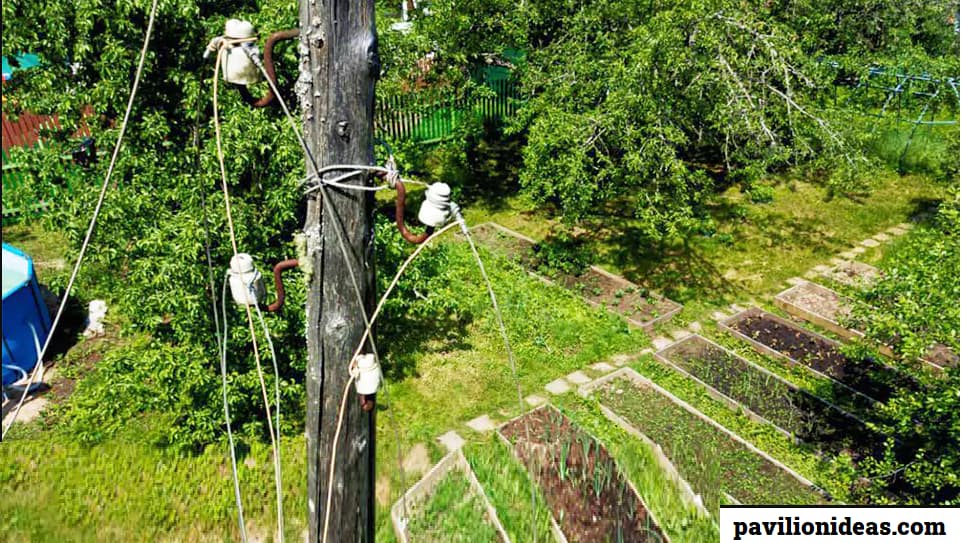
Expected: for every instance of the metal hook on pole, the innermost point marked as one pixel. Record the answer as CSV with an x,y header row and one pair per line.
x,y
269,44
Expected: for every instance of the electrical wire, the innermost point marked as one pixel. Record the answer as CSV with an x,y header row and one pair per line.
x,y
336,182
275,452
508,348
361,344
227,411
204,210
277,386
329,209
93,219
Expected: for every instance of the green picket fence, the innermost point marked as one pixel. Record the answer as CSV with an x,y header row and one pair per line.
x,y
429,117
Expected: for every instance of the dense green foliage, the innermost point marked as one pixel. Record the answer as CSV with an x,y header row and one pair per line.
x,y
652,104
915,306
148,254
635,108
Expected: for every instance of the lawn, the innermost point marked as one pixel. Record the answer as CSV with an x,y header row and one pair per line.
x,y
445,374
755,248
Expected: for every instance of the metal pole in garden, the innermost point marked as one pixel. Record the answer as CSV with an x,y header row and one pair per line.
x,y
336,89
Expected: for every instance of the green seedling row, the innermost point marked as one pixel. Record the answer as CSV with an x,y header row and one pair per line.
x,y
712,461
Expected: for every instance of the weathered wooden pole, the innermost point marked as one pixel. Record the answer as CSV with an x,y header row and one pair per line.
x,y
339,66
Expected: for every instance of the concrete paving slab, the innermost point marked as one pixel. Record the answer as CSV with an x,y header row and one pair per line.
x,y
534,399
870,242
859,249
661,343
620,359
451,440
559,386
578,378
883,236
694,327
602,367
481,424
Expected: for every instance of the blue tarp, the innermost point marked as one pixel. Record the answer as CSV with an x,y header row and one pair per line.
x,y
22,61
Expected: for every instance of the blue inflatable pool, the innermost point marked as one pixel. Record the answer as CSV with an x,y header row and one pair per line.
x,y
26,321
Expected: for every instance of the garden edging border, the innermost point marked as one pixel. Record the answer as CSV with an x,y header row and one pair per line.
x,y
724,325
424,487
557,530
633,375
735,403
647,325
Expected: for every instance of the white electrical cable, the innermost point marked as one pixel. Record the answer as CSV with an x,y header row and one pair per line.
x,y
93,219
361,344
275,452
336,182
277,385
227,412
318,172
508,347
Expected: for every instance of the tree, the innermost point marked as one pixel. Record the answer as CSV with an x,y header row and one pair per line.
x,y
148,256
633,104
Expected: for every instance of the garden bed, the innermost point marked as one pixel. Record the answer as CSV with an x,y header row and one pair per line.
x,y
779,337
714,460
819,305
829,310
448,504
636,304
591,499
768,397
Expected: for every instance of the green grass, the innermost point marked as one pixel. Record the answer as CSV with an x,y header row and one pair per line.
x,y
454,512
55,489
826,472
124,488
709,459
509,489
679,520
755,249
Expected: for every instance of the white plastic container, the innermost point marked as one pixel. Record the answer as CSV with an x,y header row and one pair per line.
x,y
247,286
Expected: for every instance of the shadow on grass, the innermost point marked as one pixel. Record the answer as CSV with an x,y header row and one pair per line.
x,y
414,339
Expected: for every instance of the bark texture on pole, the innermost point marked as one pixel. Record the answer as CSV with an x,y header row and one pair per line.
x,y
339,65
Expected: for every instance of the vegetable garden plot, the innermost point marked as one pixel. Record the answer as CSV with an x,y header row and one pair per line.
x,y
590,497
448,504
636,304
773,335
790,409
829,310
715,461
819,305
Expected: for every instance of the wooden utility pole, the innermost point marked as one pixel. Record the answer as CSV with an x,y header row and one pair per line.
x,y
339,66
